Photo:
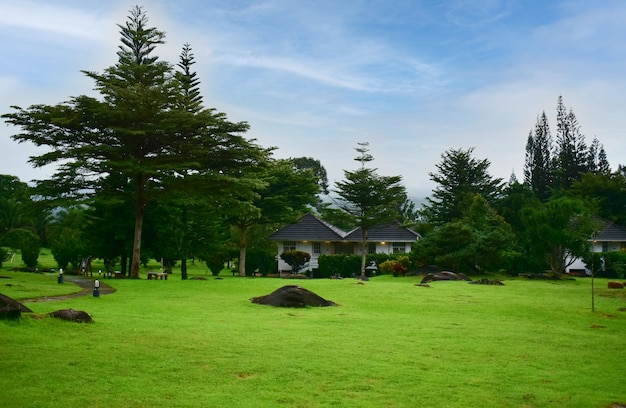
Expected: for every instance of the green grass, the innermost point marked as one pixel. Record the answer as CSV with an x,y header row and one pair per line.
x,y
389,344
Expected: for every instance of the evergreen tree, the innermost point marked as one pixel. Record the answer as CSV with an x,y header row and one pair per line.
x,y
147,137
459,175
369,198
538,165
570,157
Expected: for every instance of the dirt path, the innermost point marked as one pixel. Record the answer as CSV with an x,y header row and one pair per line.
x,y
85,284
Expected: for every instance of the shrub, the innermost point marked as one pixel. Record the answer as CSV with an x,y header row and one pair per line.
x,y
261,261
607,264
344,265
27,242
296,259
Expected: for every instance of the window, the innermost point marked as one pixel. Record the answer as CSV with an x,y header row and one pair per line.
x,y
289,245
317,248
399,247
371,247
605,247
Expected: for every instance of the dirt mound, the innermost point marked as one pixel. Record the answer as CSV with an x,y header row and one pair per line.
x,y
292,296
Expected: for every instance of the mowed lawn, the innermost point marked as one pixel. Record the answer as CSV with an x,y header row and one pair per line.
x,y
389,343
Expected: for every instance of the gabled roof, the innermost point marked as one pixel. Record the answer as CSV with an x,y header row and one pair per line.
x,y
391,232
611,233
309,228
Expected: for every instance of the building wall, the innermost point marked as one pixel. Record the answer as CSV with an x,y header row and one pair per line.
x,y
330,248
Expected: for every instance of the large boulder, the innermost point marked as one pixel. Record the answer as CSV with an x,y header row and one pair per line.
x,y
72,315
444,276
292,296
11,309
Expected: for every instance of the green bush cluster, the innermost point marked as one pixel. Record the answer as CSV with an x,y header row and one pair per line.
x,y
347,265
607,264
296,259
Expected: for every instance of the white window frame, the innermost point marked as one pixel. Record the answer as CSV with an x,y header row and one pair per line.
x,y
399,248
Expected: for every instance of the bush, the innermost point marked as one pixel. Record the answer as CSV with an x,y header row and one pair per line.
x,y
340,265
396,267
296,259
260,261
607,264
27,242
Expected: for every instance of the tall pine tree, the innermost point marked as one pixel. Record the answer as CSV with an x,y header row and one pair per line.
x,y
538,165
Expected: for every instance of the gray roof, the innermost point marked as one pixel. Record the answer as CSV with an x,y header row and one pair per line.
x,y
311,228
612,233
391,232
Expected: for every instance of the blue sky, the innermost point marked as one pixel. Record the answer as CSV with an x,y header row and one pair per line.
x,y
414,78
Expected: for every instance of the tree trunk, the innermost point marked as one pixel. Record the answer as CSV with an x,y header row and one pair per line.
x,y
363,252
242,251
183,261
140,211
183,268
124,263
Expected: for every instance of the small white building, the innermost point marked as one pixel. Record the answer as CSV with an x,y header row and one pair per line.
x,y
612,238
318,237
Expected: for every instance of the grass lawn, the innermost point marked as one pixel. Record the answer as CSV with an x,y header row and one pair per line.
x,y
390,343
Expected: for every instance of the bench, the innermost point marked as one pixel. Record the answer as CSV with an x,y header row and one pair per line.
x,y
157,275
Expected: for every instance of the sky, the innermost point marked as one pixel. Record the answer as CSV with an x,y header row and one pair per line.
x,y
413,78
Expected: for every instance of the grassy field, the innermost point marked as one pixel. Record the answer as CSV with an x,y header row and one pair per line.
x,y
202,343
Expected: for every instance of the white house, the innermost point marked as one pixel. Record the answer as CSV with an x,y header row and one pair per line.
x,y
612,238
318,237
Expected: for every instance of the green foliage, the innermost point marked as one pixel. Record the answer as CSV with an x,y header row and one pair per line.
x,y
145,137
480,240
339,265
261,261
4,254
607,190
26,241
607,264
396,267
459,175
369,198
558,231
296,259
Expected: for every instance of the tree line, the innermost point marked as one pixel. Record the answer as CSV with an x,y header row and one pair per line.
x,y
145,170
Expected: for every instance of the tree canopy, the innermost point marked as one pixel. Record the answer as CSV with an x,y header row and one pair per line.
x,y
146,137
458,175
369,198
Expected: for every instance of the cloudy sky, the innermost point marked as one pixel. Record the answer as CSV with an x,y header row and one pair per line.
x,y
414,78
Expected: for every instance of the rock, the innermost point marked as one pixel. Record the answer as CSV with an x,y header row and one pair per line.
x,y
72,315
486,281
7,302
295,276
616,285
445,275
292,296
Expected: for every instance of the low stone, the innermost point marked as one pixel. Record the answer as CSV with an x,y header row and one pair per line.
x,y
486,281
72,315
443,276
616,285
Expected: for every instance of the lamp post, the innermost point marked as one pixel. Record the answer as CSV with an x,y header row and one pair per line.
x,y
60,278
96,288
